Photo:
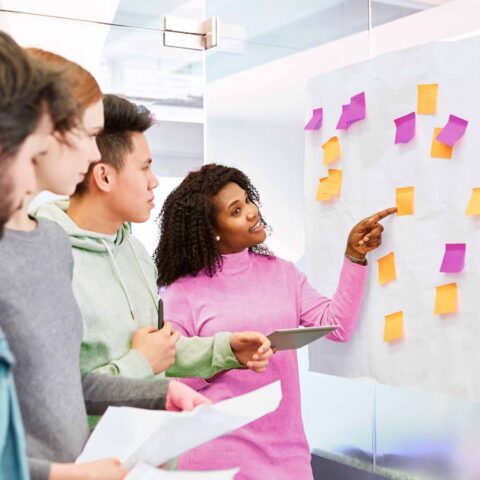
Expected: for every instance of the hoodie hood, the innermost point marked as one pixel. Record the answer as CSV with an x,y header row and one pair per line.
x,y
79,238
98,243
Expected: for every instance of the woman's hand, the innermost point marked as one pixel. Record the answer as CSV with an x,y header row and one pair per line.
x,y
367,235
181,397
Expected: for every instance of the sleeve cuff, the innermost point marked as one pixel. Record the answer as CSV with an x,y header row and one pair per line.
x,y
134,365
39,469
223,356
354,268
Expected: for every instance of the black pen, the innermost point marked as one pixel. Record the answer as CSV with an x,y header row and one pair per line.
x,y
160,314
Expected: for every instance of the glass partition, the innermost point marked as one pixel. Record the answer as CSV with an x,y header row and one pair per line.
x,y
129,60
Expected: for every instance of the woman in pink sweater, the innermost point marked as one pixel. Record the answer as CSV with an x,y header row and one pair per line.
x,y
221,277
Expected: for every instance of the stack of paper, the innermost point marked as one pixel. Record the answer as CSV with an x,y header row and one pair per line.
x,y
135,435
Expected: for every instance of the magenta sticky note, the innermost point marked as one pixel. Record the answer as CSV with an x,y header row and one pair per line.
x,y
343,120
352,112
357,108
454,258
405,128
453,130
315,123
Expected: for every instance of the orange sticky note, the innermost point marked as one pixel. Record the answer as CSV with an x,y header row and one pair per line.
x,y
393,327
446,299
386,269
473,207
427,98
439,149
331,150
334,184
404,200
322,196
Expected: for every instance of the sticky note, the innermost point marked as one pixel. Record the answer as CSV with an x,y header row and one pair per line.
x,y
321,195
331,150
473,207
315,123
352,112
386,269
452,131
427,98
334,183
453,258
404,200
393,327
446,299
439,149
329,186
405,128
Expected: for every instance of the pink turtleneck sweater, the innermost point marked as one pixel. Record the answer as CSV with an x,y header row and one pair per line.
x,y
255,293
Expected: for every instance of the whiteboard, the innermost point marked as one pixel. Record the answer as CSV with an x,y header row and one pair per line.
x,y
438,353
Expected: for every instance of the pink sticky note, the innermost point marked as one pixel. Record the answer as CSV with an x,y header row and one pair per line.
x,y
352,112
315,123
452,131
405,128
343,121
454,258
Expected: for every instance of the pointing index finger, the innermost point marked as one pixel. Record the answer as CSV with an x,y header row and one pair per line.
x,y
381,215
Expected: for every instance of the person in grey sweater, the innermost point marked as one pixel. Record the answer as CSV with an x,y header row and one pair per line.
x,y
33,100
40,315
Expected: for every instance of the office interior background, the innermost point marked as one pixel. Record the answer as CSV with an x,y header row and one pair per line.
x,y
243,103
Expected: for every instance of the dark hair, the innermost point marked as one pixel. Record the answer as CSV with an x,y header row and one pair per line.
x,y
122,118
187,224
28,89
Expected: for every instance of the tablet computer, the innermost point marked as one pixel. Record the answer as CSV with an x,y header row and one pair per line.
x,y
293,338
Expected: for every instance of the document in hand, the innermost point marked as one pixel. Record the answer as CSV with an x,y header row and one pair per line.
x,y
293,338
135,435
142,471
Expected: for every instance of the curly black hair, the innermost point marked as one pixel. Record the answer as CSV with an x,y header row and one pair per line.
x,y
187,224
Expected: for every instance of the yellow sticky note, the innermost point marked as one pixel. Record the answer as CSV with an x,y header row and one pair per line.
x,y
446,299
404,199
322,196
439,149
386,269
427,98
334,184
473,207
393,327
331,150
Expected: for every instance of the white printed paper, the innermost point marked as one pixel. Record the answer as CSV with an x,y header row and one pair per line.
x,y
136,435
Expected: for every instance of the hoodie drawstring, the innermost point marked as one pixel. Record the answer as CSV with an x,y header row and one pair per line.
x,y
119,277
153,295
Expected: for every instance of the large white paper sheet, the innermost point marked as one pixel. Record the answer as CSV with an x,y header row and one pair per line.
x,y
437,353
143,471
135,435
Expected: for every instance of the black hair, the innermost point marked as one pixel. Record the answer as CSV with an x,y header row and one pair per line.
x,y
122,118
187,224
